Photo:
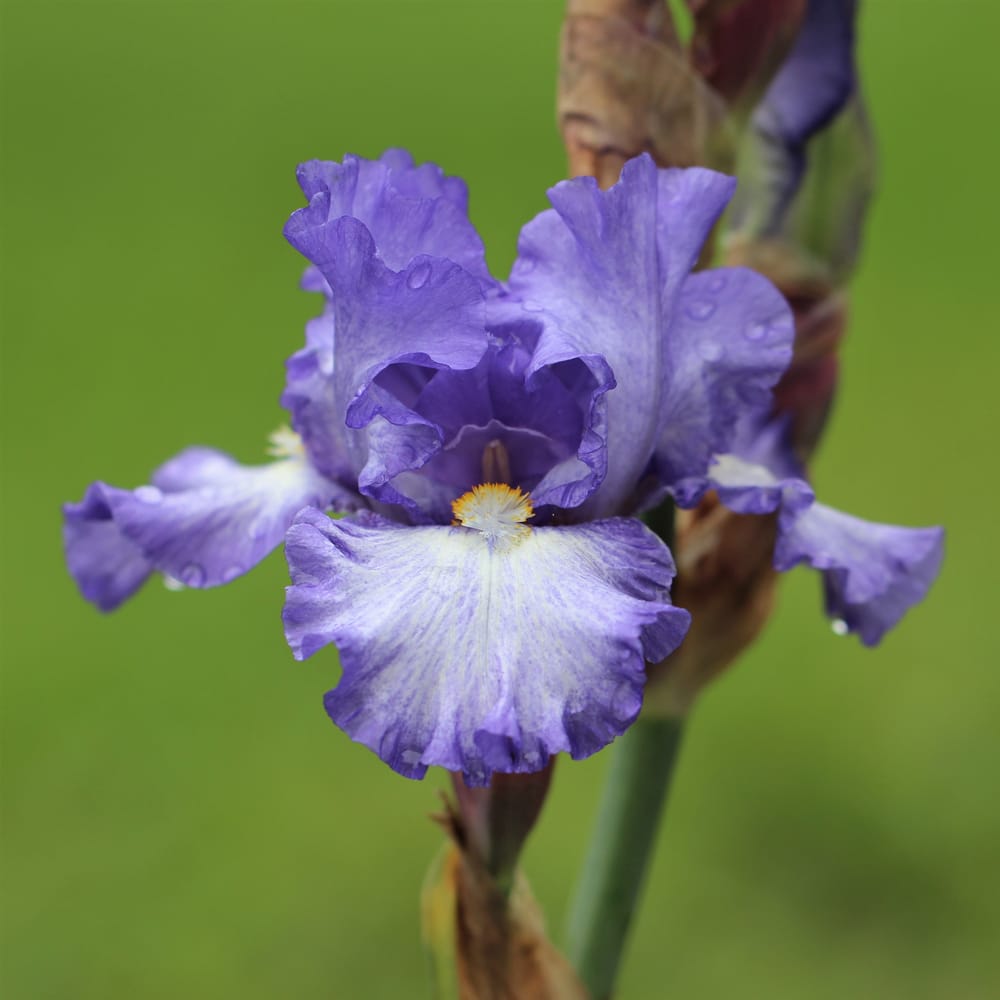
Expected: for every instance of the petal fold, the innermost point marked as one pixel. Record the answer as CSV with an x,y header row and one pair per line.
x,y
108,568
872,573
480,660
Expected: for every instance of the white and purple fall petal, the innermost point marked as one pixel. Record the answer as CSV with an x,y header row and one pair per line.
x,y
479,652
872,573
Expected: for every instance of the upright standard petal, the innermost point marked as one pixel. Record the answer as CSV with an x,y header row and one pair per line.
x,y
729,341
204,521
608,272
429,316
409,210
315,413
476,657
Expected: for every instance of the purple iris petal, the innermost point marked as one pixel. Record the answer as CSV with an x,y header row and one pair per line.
x,y
425,181
107,567
408,210
550,422
730,339
481,660
432,315
608,273
313,407
872,573
205,520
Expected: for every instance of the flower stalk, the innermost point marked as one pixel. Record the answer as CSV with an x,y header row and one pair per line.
x,y
635,790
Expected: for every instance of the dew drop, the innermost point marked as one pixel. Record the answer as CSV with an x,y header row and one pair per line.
x,y
717,283
532,757
709,350
387,745
257,528
526,265
172,583
839,626
625,702
756,331
192,575
700,310
532,306
231,573
410,757
149,494
325,363
417,278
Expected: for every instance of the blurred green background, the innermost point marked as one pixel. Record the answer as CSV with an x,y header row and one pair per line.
x,y
180,819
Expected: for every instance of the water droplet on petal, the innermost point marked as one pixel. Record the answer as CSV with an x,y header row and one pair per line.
x,y
172,583
258,527
410,757
532,757
149,494
387,745
532,306
325,363
625,702
231,573
192,575
756,331
709,350
839,626
717,283
700,310
525,265
417,278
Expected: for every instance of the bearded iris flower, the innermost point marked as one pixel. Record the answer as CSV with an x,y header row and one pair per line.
x,y
492,593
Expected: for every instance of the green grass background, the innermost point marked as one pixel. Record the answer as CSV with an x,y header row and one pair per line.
x,y
180,819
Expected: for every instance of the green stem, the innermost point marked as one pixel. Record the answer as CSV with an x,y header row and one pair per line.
x,y
642,762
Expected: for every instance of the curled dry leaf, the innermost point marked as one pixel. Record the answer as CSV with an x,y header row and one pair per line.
x,y
626,87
